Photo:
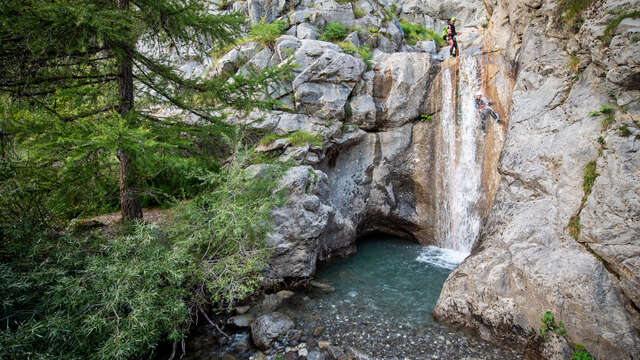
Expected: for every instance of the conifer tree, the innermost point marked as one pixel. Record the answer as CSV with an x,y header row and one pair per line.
x,y
78,68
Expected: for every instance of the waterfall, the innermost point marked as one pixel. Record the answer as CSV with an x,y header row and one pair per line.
x,y
458,218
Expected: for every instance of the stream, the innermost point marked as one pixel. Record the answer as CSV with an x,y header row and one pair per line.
x,y
382,304
380,309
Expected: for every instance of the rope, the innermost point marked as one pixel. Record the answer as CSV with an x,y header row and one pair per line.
x,y
455,115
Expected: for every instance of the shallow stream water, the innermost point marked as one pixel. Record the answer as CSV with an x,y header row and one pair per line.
x,y
380,309
382,304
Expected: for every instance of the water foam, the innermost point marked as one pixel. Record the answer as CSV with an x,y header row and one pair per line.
x,y
443,258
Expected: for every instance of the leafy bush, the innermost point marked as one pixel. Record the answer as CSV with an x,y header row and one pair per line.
x,y
580,353
299,138
365,54
83,295
269,32
334,31
348,47
624,131
425,118
414,33
549,324
606,109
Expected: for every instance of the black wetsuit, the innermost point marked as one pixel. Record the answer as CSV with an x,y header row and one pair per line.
x,y
452,36
482,105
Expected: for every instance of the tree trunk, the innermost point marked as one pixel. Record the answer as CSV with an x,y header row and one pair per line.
x,y
130,206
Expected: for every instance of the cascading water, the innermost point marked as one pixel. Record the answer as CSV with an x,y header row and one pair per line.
x,y
461,169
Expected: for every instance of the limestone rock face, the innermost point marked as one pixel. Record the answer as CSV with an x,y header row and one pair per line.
x,y
400,87
526,261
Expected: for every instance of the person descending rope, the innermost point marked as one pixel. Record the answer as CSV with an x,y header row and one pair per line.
x,y
484,108
449,35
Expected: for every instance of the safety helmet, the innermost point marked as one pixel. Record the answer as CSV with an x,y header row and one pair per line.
x,y
453,19
478,94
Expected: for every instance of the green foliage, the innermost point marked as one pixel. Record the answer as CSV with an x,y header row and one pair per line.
x,y
624,131
606,109
571,10
485,25
580,353
267,33
365,54
414,33
300,138
67,116
601,140
357,12
574,226
574,63
608,120
611,27
348,47
348,111
549,324
590,176
297,138
334,31
425,118
85,296
610,111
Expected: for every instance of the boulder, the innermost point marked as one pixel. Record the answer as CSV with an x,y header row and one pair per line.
x,y
268,327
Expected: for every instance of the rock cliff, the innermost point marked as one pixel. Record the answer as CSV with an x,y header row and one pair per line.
x,y
546,242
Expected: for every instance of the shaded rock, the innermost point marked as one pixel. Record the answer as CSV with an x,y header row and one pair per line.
x,y
243,309
267,328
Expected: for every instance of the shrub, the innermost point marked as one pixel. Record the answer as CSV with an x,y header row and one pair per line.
x,y
574,227
580,353
590,176
334,31
606,109
572,9
266,33
549,324
365,54
299,138
348,47
414,33
357,12
425,118
624,131
80,294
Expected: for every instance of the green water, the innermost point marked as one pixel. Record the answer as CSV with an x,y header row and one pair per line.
x,y
386,277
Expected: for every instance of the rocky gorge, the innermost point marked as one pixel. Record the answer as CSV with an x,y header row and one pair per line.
x,y
400,151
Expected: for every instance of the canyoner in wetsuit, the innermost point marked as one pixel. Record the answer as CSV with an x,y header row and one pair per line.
x,y
449,35
484,108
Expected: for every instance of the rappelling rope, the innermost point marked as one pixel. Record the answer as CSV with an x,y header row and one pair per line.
x,y
455,115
